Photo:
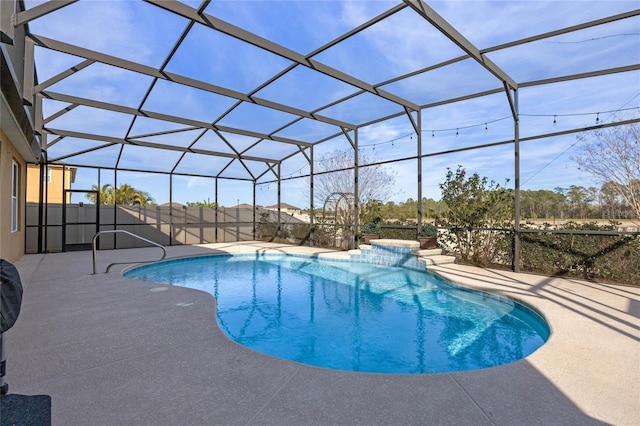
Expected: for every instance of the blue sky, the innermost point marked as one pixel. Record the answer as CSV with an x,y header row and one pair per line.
x,y
403,43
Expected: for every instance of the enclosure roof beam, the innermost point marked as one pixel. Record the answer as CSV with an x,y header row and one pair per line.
x,y
83,151
452,34
253,178
241,34
60,113
562,31
269,169
321,49
300,151
513,44
579,76
532,83
61,76
38,11
493,144
431,105
165,117
489,92
165,132
114,140
128,169
413,122
176,78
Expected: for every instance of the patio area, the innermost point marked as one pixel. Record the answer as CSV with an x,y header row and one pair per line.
x,y
101,349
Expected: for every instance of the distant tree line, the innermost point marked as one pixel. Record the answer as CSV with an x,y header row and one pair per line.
x,y
205,203
574,202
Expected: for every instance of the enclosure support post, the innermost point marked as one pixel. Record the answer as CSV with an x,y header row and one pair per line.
x,y
311,198
253,235
115,198
64,211
98,202
516,201
46,208
278,231
171,230
356,194
216,201
43,169
419,142
417,128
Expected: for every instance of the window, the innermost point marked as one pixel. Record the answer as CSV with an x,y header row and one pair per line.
x,y
47,176
15,173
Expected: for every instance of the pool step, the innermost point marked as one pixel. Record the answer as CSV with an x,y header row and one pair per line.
x,y
336,255
437,259
428,252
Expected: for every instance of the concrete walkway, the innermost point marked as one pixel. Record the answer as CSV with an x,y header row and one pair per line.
x,y
104,350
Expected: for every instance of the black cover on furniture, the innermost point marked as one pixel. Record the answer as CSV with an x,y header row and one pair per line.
x,y
10,295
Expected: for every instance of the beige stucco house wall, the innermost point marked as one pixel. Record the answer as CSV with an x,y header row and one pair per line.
x,y
11,242
19,143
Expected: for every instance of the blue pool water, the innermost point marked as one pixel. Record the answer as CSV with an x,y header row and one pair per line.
x,y
356,316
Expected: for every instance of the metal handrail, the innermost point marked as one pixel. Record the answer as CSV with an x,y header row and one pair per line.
x,y
114,231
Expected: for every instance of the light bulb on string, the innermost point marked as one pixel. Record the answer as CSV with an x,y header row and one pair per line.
x,y
486,129
554,121
598,118
457,131
433,134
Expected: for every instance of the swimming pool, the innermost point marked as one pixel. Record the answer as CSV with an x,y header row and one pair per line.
x,y
355,316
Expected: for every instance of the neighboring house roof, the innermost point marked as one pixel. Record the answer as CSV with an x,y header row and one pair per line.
x,y
175,205
283,206
288,219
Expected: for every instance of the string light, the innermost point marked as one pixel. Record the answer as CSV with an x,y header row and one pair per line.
x,y
579,114
486,127
458,128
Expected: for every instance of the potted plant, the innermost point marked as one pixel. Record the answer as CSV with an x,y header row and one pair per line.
x,y
428,236
371,231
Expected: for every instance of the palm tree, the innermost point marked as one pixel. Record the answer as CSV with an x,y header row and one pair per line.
x,y
124,195
104,194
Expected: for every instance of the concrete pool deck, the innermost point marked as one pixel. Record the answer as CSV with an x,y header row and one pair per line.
x,y
102,350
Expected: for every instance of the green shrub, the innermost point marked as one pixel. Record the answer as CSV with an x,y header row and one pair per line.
x,y
371,228
428,230
398,233
478,212
594,257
